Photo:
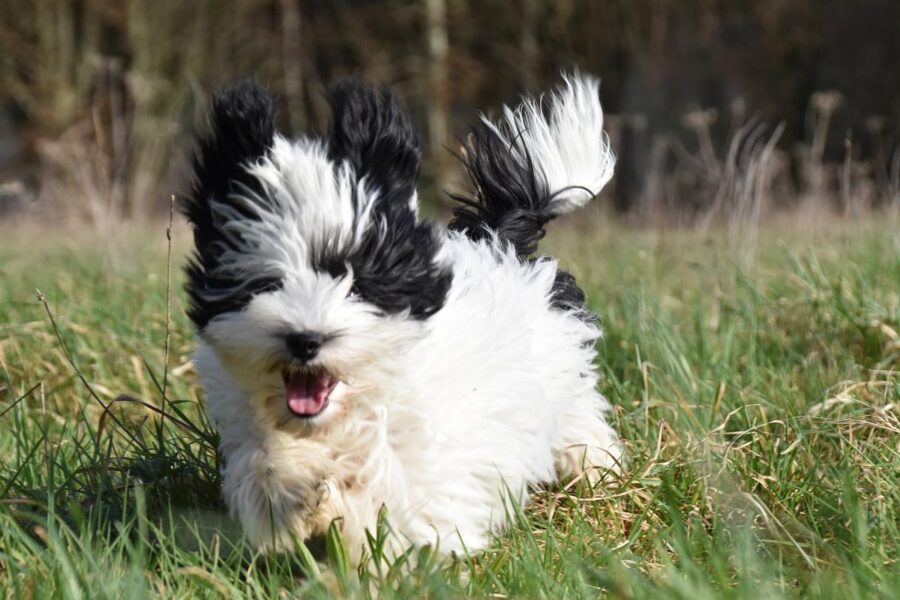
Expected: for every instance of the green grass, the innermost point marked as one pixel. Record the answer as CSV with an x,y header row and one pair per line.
x,y
760,405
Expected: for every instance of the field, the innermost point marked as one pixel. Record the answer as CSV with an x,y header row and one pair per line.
x,y
756,380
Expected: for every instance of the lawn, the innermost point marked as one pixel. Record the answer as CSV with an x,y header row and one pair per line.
x,y
756,381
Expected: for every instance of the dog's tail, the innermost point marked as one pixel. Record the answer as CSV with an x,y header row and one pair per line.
x,y
546,157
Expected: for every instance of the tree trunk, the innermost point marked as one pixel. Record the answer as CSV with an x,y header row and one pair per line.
x,y
438,88
528,44
292,62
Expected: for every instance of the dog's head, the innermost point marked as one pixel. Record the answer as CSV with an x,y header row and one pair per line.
x,y
311,275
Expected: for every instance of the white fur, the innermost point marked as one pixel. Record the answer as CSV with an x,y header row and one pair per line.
x,y
436,420
570,148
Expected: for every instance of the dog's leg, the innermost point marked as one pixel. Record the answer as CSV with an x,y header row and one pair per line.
x,y
279,490
587,443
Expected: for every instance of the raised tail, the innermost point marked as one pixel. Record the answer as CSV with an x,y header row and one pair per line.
x,y
546,157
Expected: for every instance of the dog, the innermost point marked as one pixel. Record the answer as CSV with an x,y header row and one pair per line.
x,y
355,356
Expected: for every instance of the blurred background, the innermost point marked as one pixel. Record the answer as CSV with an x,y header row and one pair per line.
x,y
721,111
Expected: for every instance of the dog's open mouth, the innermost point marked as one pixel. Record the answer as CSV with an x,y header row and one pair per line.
x,y
307,390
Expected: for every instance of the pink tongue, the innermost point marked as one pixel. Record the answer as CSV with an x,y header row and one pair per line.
x,y
307,393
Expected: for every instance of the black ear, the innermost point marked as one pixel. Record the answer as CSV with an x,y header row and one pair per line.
x,y
394,264
375,134
241,131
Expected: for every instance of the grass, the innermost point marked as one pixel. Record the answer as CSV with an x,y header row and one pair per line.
x,y
760,404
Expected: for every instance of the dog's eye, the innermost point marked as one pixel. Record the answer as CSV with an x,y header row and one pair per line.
x,y
335,267
354,292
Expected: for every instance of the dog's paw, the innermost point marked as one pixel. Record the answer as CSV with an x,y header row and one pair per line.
x,y
326,509
302,506
279,500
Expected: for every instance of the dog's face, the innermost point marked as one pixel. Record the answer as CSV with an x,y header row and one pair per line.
x,y
312,276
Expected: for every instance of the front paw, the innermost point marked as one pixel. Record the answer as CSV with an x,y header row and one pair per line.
x,y
278,500
308,505
326,508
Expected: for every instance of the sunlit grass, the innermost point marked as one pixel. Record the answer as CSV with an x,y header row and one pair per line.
x,y
760,404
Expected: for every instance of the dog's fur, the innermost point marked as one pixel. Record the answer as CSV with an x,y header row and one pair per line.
x,y
462,363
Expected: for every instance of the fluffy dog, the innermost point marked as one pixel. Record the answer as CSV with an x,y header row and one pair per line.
x,y
355,356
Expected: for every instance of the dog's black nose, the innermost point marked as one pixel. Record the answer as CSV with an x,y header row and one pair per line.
x,y
304,345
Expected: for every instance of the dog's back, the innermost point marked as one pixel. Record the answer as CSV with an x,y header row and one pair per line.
x,y
501,393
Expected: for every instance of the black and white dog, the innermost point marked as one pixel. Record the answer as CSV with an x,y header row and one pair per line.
x,y
355,356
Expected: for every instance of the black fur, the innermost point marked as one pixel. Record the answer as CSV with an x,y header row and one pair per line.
x,y
510,198
375,134
394,266
242,129
568,296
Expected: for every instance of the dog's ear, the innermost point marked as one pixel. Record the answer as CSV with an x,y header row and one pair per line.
x,y
395,261
241,131
372,132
